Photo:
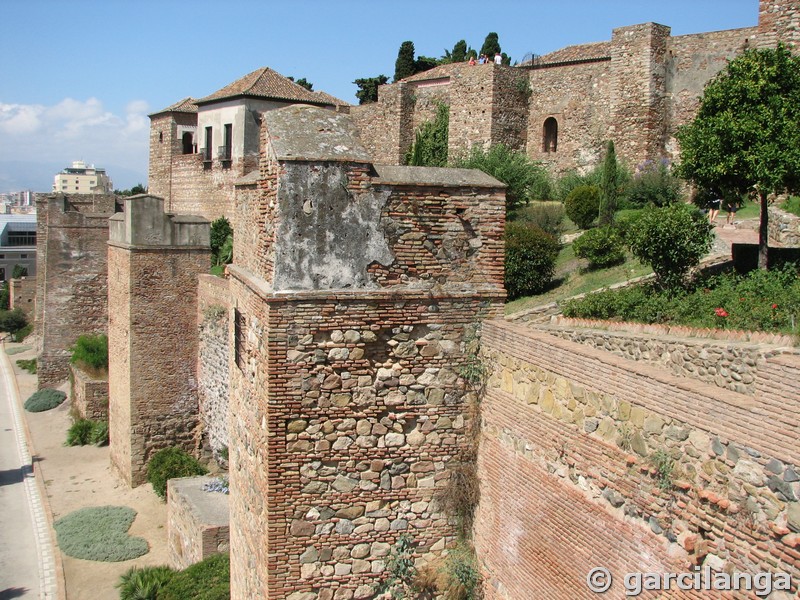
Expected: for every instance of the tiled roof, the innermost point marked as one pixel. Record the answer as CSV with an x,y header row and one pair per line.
x,y
266,83
187,105
325,97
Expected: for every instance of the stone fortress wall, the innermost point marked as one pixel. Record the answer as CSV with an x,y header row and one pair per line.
x,y
577,432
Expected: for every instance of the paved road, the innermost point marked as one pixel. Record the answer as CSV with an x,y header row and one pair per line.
x,y
26,555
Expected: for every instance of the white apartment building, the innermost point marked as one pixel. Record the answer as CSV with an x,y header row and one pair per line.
x,y
80,179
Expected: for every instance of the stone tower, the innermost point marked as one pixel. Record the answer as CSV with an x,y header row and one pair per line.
x,y
154,260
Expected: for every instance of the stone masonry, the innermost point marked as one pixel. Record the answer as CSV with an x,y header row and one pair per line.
x,y
72,276
154,259
591,459
22,294
635,89
352,286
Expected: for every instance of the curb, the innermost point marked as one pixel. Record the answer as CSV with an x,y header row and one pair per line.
x,y
51,576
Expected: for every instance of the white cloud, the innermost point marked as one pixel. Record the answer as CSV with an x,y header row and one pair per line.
x,y
76,130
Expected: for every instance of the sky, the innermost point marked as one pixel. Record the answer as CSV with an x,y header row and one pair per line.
x,y
78,78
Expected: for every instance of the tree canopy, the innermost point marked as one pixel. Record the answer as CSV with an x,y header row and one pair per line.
x,y
404,65
368,88
303,82
491,45
746,135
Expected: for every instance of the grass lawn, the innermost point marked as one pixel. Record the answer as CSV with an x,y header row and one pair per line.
x,y
572,279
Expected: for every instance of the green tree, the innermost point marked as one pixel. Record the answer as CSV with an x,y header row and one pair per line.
x,y
525,180
746,135
672,240
404,66
430,144
368,88
19,271
303,82
221,230
608,187
425,63
459,53
491,45
137,189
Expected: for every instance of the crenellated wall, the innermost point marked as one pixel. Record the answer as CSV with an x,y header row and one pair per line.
x,y
588,459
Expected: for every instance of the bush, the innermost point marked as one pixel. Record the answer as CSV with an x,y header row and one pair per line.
x,y
91,351
623,223
602,247
582,205
526,180
169,463
44,399
99,533
653,185
19,336
99,434
672,240
80,432
28,365
221,230
143,583
548,216
12,320
210,579
530,259
429,148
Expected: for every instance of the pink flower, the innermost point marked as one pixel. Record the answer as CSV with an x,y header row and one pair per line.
x,y
720,312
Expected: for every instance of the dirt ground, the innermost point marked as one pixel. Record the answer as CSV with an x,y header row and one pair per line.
x,y
80,476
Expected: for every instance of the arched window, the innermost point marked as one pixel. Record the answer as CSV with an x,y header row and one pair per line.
x,y
550,135
188,143
160,137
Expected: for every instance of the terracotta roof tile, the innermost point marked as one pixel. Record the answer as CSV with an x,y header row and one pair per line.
x,y
266,83
187,105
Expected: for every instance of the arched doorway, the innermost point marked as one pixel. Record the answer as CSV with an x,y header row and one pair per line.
x,y
550,135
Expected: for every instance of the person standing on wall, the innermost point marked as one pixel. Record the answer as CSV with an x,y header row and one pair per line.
x,y
498,58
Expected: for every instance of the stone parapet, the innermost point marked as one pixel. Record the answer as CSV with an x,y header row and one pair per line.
x,y
198,521
89,394
784,228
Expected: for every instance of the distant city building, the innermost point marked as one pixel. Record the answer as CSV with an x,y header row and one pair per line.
x,y
17,244
80,179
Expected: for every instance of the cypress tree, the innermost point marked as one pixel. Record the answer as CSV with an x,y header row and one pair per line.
x,y
608,187
404,65
491,45
459,52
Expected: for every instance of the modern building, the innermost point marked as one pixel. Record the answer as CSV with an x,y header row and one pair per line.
x,y
17,244
82,179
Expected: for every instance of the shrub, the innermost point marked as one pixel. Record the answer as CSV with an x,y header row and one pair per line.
x,y
220,231
143,583
19,336
530,259
602,247
623,223
653,185
44,399
429,148
5,295
169,463
28,365
582,205
210,579
80,433
99,533
525,180
12,320
671,240
91,351
549,216
99,434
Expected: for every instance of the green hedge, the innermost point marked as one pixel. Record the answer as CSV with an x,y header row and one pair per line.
x,y
44,399
530,259
99,533
602,247
170,463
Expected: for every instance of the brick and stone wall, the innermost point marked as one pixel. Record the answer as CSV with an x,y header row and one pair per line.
x,y
570,479
198,521
89,394
349,314
784,228
72,276
727,364
22,295
154,260
213,319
